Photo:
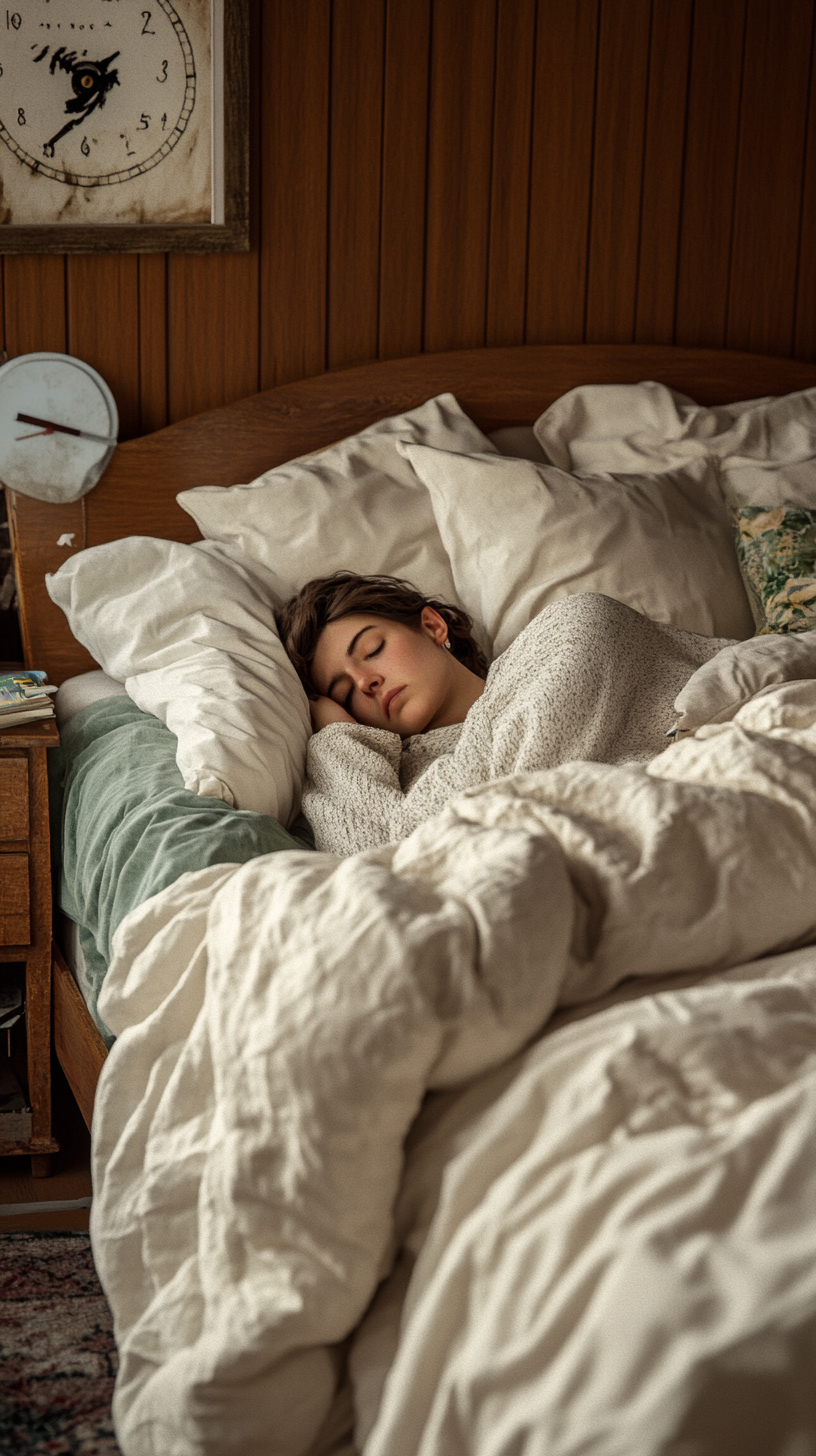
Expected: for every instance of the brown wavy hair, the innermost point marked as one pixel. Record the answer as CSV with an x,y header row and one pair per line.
x,y
328,598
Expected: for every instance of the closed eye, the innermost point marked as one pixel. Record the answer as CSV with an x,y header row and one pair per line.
x,y
346,701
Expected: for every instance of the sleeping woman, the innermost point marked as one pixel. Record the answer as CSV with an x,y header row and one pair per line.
x,y
406,713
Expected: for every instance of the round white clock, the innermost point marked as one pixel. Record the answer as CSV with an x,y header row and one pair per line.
x,y
105,111
58,426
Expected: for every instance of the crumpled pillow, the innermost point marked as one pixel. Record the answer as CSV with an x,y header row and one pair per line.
x,y
717,690
192,636
765,449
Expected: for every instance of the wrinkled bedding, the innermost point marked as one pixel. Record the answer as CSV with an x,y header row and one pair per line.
x,y
610,1241
610,1222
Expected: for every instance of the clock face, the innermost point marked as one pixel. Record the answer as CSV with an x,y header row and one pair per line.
x,y
96,96
58,426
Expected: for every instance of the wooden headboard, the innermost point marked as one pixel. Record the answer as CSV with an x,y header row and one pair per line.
x,y
496,387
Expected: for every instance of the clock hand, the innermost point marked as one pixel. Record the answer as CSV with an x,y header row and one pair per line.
x,y
49,426
84,75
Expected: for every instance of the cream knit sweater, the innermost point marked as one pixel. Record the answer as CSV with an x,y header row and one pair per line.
x,y
588,679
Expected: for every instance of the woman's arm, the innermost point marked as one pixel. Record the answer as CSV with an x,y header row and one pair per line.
x,y
353,798
324,711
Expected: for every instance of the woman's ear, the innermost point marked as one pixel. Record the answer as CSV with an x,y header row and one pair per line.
x,y
435,625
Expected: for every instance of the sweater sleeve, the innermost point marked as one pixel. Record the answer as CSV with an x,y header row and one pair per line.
x,y
352,786
353,797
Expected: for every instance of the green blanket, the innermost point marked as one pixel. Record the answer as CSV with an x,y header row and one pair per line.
x,y
128,828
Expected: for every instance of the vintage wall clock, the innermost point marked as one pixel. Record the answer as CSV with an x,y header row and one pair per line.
x,y
122,116
58,426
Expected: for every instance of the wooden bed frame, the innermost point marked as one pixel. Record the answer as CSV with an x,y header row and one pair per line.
x,y
497,387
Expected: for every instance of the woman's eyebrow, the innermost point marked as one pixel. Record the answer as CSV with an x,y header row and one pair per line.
x,y
352,644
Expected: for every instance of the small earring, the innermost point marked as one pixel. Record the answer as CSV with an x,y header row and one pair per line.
x,y
446,644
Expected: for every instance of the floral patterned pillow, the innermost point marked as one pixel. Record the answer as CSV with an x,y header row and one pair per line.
x,y
777,557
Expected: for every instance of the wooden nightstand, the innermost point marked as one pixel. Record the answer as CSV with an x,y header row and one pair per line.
x,y
25,920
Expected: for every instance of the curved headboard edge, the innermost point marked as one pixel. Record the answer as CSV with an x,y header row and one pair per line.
x,y
496,386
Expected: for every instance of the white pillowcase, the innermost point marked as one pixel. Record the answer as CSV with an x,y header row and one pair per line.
x,y
522,535
357,506
193,639
765,448
717,690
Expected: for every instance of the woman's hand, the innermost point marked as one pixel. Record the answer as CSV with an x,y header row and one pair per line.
x,y
325,711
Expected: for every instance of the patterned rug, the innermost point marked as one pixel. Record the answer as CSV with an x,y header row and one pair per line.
x,y
57,1355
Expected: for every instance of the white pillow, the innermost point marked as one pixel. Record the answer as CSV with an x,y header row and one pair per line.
x,y
768,458
765,448
357,506
76,693
522,535
193,639
717,690
623,428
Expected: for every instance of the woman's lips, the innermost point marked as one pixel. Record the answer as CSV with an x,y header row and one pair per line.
x,y
389,698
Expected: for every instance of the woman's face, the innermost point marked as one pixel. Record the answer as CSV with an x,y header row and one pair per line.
x,y
387,675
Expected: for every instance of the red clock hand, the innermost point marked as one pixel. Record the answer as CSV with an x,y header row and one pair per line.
x,y
49,426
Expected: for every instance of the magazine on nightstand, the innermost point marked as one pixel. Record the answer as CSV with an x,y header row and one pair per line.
x,y
25,696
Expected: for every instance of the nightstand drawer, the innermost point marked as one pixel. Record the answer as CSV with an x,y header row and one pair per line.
x,y
14,900
14,798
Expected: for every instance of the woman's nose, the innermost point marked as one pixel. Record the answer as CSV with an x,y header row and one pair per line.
x,y
368,680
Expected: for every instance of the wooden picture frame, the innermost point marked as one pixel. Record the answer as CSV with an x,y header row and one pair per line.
x,y
230,70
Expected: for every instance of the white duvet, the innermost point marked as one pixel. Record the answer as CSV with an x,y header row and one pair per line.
x,y
608,1227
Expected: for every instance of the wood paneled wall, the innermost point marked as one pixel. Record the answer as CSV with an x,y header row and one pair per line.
x,y
436,174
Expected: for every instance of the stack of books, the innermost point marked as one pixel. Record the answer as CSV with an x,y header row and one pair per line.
x,y
24,696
